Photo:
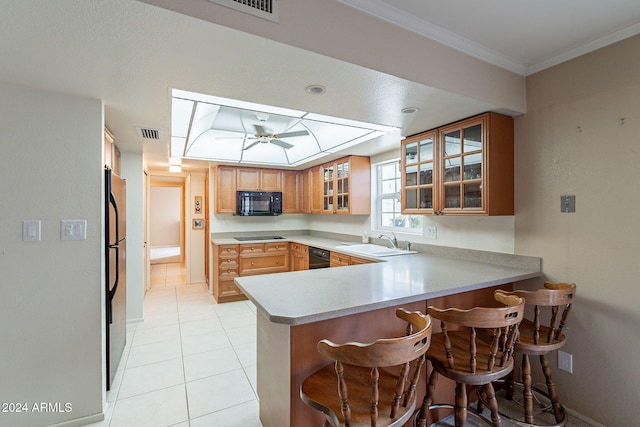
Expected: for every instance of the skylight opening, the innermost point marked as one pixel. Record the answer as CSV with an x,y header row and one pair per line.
x,y
212,128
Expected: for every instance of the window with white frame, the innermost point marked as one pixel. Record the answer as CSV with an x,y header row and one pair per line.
x,y
388,201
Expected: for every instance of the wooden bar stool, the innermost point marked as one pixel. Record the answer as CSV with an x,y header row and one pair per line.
x,y
476,354
538,338
356,392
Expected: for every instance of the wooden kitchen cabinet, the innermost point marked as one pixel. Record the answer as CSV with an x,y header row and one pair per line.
x,y
225,269
337,259
355,261
346,186
299,255
225,184
315,189
291,192
264,258
231,261
418,179
255,179
465,168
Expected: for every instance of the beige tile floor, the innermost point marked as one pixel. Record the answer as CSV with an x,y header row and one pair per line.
x,y
192,362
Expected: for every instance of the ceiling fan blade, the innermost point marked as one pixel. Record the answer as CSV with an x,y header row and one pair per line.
x,y
263,130
251,145
282,144
291,134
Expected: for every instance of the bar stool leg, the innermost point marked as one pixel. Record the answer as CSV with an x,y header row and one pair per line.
x,y
461,405
423,415
510,385
551,388
528,395
492,403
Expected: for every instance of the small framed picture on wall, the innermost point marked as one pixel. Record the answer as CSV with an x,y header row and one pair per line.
x,y
197,204
198,224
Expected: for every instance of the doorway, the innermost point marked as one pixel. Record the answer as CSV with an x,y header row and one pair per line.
x,y
166,222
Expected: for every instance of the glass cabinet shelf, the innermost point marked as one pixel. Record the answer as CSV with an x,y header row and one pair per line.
x,y
456,168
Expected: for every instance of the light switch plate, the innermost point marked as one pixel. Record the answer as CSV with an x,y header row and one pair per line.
x,y
31,230
73,229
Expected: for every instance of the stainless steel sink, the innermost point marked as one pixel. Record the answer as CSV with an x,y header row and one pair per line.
x,y
372,250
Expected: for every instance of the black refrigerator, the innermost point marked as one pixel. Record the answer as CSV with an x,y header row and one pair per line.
x,y
116,277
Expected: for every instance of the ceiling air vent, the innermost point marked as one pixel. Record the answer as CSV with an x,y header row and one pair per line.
x,y
267,9
147,133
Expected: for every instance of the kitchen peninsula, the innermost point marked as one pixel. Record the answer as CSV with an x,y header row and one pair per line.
x,y
357,303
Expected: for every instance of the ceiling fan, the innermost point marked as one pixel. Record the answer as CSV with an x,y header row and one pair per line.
x,y
265,135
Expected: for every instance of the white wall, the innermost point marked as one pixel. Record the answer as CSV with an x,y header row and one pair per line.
x,y
572,141
195,240
51,291
165,216
132,172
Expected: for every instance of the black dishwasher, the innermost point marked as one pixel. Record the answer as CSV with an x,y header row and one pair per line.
x,y
318,258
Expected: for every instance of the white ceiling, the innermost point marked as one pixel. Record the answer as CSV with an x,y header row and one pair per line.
x,y
121,51
521,36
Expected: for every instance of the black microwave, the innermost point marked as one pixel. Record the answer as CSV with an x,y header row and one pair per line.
x,y
258,203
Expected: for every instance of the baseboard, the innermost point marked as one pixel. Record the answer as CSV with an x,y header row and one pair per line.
x,y
79,422
135,320
582,417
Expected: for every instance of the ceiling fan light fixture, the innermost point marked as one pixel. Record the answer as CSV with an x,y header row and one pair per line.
x,y
263,117
315,89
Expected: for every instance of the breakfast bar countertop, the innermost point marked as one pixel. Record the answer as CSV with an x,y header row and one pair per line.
x,y
301,297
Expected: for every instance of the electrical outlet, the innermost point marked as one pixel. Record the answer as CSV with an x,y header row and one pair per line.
x,y
73,229
565,361
431,232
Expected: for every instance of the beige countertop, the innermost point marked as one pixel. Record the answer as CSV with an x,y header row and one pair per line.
x,y
301,297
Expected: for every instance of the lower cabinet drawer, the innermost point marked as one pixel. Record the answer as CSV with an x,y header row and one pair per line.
x,y
264,264
339,260
227,288
228,264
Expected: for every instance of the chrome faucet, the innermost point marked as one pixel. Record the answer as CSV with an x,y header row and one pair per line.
x,y
394,241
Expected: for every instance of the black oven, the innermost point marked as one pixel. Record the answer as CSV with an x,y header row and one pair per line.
x,y
258,203
318,258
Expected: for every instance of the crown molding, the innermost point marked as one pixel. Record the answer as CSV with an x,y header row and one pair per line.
x,y
395,16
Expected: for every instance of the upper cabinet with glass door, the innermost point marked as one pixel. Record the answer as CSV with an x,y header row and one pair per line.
x,y
418,173
472,169
346,186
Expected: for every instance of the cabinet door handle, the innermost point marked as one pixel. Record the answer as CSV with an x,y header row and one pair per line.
x,y
252,264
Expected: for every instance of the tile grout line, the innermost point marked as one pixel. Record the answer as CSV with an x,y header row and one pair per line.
x,y
184,373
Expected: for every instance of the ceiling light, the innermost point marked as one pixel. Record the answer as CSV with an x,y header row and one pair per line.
x,y
175,168
315,89
410,110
